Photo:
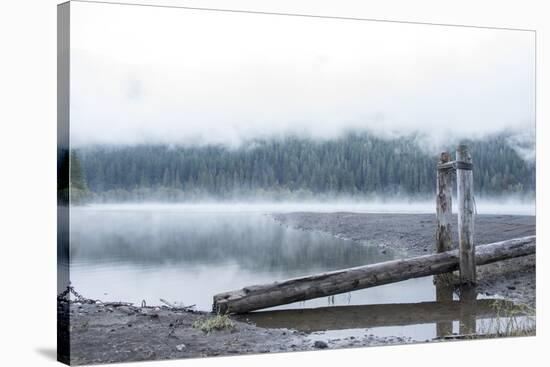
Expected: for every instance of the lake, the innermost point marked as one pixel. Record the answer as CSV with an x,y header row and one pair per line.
x,y
188,253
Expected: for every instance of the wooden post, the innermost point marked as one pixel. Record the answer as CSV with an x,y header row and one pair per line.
x,y
443,241
465,197
444,212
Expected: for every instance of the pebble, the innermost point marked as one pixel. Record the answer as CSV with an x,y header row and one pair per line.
x,y
319,344
180,347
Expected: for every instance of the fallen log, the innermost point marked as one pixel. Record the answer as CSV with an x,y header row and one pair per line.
x,y
346,280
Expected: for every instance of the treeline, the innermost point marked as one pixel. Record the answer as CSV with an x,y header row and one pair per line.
x,y
71,183
292,168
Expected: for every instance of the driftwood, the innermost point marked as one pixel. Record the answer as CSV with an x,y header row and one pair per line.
x,y
174,307
320,285
117,304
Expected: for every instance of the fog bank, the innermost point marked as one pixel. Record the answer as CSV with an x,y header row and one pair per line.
x,y
250,76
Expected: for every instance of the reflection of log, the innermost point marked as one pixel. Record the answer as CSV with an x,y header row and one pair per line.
x,y
346,280
369,316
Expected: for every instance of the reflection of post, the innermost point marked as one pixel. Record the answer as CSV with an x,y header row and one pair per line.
x,y
443,294
467,310
465,197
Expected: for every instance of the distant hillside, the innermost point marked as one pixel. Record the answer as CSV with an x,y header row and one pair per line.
x,y
293,168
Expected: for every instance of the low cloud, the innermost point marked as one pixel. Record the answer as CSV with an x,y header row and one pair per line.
x,y
203,77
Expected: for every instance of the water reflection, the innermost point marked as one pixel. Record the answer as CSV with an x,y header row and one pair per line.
x,y
188,256
468,314
469,310
253,241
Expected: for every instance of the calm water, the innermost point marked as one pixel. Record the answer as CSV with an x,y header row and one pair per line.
x,y
186,254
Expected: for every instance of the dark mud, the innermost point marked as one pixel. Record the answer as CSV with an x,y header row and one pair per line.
x,y
414,234
107,334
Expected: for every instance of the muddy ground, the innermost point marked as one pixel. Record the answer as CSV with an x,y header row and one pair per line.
x,y
103,333
414,234
108,334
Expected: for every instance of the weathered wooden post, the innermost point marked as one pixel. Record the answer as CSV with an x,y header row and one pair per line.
x,y
443,242
465,197
444,209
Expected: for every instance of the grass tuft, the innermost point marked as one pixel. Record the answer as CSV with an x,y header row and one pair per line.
x,y
218,322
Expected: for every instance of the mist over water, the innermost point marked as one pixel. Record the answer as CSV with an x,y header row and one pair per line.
x,y
191,253
496,206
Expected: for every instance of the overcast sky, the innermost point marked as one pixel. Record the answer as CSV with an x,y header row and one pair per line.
x,y
142,74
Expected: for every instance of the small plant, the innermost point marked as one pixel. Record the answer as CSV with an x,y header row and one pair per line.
x,y
511,320
218,322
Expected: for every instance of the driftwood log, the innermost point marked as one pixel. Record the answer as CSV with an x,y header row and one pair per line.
x,y
340,281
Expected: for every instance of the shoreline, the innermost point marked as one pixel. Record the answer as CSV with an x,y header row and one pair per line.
x,y
107,333
414,234
148,333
